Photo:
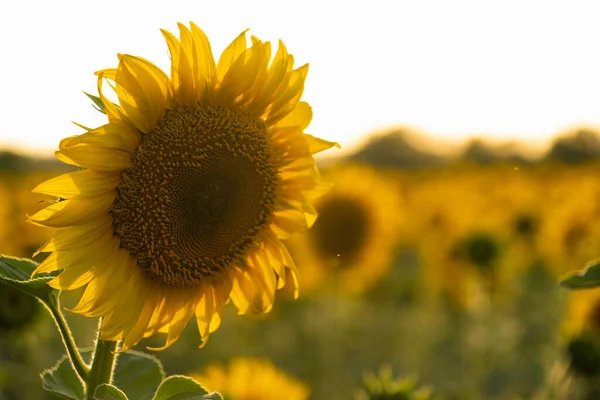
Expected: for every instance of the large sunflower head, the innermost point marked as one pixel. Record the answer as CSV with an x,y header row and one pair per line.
x,y
185,194
355,236
252,379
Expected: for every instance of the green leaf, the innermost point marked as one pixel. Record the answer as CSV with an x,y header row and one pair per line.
x,y
109,392
99,105
179,387
16,272
62,381
138,374
19,269
586,279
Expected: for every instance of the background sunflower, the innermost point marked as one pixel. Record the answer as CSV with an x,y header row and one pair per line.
x,y
352,243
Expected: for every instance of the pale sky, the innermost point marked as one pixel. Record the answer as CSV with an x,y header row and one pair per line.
x,y
509,69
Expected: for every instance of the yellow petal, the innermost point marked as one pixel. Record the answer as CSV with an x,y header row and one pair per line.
x,y
230,55
290,97
67,259
77,236
245,294
137,331
174,50
142,91
240,76
276,77
117,136
102,294
74,211
206,61
129,306
113,112
287,222
188,91
264,275
300,116
76,276
317,145
204,311
86,183
181,312
94,157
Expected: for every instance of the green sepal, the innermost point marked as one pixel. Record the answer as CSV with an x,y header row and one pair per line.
x,y
16,272
98,103
62,381
585,279
109,392
179,387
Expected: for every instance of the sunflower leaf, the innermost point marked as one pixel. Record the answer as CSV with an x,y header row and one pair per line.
x,y
179,387
109,392
98,104
585,279
15,272
62,381
138,374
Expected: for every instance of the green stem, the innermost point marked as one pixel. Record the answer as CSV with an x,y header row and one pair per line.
x,y
80,367
102,366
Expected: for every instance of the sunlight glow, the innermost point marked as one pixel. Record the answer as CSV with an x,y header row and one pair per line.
x,y
507,70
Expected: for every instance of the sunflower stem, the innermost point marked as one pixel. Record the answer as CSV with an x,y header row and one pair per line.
x,y
103,365
80,367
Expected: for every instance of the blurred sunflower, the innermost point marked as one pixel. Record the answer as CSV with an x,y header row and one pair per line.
x,y
569,235
583,313
461,224
188,190
581,332
356,233
251,379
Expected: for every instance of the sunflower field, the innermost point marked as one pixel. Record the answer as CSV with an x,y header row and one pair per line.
x,y
439,281
390,272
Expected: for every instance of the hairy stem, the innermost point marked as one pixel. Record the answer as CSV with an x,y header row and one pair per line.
x,y
80,367
103,364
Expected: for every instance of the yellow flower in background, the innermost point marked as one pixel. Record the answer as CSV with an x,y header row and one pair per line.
x,y
570,232
252,379
187,191
356,233
583,313
462,222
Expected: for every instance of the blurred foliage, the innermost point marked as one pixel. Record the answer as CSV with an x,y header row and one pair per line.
x,y
384,386
466,297
580,145
395,150
406,149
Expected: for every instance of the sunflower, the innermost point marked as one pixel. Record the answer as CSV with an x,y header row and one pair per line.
x,y
187,191
583,313
250,379
355,236
568,235
580,331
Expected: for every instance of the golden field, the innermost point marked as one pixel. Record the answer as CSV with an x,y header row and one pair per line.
x,y
445,273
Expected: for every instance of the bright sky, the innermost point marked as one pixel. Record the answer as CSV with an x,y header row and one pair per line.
x,y
508,69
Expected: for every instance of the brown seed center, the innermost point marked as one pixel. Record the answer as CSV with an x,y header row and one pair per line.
x,y
200,190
